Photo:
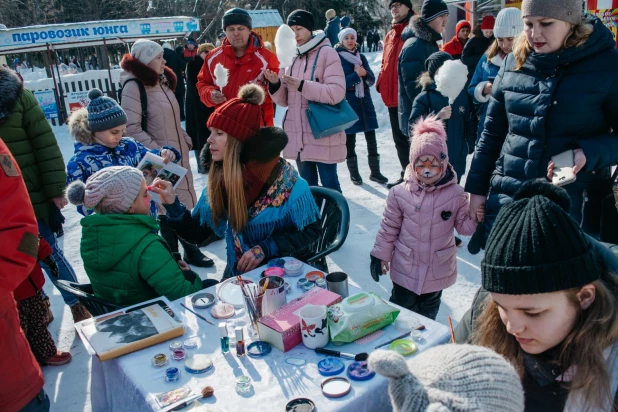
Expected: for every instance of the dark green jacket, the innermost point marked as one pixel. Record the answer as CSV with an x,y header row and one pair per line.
x,y
128,263
29,137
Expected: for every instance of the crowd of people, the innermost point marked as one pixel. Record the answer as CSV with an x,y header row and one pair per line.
x,y
548,305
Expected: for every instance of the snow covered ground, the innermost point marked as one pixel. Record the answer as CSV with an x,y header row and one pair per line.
x,y
69,386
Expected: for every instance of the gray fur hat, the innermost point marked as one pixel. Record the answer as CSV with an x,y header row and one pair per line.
x,y
450,378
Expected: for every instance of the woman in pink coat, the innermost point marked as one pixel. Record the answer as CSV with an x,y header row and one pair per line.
x,y
295,89
416,235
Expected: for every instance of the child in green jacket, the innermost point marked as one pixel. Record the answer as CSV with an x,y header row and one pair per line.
x,y
126,261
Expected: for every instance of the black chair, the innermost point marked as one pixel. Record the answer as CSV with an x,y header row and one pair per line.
x,y
84,294
335,221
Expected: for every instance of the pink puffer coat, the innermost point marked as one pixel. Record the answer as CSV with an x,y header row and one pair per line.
x,y
416,234
328,87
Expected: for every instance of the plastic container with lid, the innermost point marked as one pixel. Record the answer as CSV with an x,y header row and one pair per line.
x,y
359,302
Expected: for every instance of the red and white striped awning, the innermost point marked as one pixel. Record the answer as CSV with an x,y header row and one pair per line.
x,y
602,4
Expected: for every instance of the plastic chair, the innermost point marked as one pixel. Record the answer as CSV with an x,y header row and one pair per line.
x,y
85,295
335,221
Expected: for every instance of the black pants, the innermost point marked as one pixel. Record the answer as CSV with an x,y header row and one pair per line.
x,y
402,143
172,239
206,283
427,304
372,144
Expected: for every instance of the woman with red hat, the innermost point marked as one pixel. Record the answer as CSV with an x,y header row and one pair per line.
x,y
478,45
457,43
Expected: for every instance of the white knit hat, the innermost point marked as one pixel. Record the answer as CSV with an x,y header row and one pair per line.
x,y
146,50
450,378
509,23
345,32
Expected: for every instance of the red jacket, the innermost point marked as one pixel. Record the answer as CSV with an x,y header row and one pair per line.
x,y
454,47
21,377
189,54
388,81
243,70
35,281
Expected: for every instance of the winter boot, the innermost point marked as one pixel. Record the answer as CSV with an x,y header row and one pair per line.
x,y
353,168
396,182
212,238
374,166
59,358
194,256
79,313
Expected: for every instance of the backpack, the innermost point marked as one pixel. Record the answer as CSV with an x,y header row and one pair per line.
x,y
142,97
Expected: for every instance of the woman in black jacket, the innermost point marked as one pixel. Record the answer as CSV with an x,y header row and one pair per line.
x,y
556,92
478,45
197,112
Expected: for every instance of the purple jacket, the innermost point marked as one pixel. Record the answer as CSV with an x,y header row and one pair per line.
x,y
416,233
328,87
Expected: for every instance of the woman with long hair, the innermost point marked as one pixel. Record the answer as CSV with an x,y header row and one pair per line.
x,y
254,198
556,92
552,309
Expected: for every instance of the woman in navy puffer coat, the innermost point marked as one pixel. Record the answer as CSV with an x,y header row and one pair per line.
x,y
555,102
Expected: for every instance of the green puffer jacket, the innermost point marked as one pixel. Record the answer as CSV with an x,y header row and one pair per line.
x,y
128,263
29,137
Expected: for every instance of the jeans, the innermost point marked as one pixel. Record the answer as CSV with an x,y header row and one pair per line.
x,y
427,304
372,144
65,270
40,403
328,174
402,143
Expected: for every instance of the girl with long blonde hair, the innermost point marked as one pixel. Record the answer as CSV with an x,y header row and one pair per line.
x,y
254,198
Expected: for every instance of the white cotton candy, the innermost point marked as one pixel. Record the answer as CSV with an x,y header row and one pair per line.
x,y
285,44
221,74
451,79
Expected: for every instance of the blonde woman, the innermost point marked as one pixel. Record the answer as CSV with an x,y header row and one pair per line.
x,y
254,198
555,92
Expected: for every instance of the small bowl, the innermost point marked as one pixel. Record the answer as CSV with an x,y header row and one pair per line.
x,y
315,275
274,271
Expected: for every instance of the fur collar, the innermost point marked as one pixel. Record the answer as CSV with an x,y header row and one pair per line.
x,y
79,128
424,80
145,74
421,31
11,86
317,39
497,60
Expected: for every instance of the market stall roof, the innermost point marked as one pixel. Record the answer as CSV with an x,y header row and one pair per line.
x,y
265,18
93,33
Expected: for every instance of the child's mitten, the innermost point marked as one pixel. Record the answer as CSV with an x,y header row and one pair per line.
x,y
477,241
375,268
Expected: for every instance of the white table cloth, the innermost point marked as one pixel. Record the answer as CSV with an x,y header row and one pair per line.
x,y
129,383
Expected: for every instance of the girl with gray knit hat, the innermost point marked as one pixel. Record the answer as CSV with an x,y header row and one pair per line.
x,y
120,247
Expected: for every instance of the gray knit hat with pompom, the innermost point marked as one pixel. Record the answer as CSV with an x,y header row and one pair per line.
x,y
109,191
450,378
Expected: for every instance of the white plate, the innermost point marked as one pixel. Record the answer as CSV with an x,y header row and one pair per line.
x,y
230,293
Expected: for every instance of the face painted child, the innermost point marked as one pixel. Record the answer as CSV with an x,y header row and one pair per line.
x,y
428,169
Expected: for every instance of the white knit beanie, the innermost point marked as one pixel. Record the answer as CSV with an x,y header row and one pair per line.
x,y
345,32
450,378
146,50
509,23
109,191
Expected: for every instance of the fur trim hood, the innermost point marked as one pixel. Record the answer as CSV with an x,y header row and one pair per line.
x,y
424,80
416,28
78,127
11,86
145,74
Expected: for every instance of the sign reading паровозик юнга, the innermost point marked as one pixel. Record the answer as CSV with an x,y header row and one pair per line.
x,y
95,30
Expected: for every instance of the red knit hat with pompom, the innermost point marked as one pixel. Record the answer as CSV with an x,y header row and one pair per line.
x,y
240,117
428,139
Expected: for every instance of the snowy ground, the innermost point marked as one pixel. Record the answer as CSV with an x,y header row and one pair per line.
x,y
69,386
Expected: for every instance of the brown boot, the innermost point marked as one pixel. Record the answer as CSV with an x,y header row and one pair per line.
x,y
79,313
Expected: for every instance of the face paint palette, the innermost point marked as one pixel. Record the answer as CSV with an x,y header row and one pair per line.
x,y
336,387
300,405
203,300
359,371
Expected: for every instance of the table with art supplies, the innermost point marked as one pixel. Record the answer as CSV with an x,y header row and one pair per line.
x,y
294,358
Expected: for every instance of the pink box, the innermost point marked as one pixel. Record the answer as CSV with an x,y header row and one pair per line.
x,y
281,328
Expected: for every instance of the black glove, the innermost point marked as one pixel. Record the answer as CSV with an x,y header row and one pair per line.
x,y
477,241
53,266
375,268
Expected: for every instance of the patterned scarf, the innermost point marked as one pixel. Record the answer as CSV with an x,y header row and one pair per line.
x,y
355,59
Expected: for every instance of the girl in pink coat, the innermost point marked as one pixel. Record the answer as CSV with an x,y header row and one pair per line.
x,y
416,236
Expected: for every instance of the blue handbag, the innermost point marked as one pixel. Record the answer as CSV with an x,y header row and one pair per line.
x,y
328,119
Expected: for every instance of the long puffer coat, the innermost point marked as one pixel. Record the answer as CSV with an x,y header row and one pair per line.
x,y
554,103
30,139
420,42
363,106
163,120
327,87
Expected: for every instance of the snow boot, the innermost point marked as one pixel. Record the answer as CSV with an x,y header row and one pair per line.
x,y
194,256
353,168
396,182
374,166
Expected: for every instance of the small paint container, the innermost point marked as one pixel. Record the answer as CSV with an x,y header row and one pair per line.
x,y
198,364
159,360
172,374
301,283
300,405
179,354
176,344
417,335
190,343
404,347
330,367
274,271
315,275
243,384
203,300
276,263
294,267
308,286
259,349
358,371
336,387
222,311
320,283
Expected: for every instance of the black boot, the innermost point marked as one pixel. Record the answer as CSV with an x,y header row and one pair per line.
x,y
194,256
353,168
374,166
395,183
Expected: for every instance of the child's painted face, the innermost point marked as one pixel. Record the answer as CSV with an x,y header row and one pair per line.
x,y
141,205
110,138
428,169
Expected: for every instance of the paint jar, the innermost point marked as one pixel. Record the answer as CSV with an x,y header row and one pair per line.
x,y
321,283
302,282
176,344
179,354
243,384
417,335
159,360
308,286
172,374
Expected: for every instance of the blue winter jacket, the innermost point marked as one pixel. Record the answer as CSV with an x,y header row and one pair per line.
x,y
332,30
485,71
420,42
363,107
89,159
554,103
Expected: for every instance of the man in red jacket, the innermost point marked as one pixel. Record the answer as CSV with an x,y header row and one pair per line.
x,y
388,82
457,43
243,54
21,381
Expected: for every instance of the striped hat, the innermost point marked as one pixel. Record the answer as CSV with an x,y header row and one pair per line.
x,y
103,112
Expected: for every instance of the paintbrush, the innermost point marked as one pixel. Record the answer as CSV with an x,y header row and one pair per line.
x,y
265,286
399,337
450,325
197,314
360,357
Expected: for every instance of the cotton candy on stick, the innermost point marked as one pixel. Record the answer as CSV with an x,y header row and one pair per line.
x,y
451,79
221,75
285,44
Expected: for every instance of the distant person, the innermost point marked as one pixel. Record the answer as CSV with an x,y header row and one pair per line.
x,y
360,41
345,22
190,50
177,64
456,45
478,45
376,40
333,26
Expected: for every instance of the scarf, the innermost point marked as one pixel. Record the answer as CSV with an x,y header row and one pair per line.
x,y
254,177
355,59
315,41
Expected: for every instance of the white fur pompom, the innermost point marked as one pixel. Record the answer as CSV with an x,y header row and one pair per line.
x,y
451,79
285,44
